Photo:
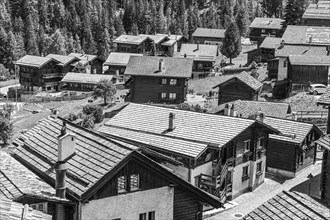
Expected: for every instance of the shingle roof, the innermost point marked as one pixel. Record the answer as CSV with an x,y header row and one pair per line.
x,y
155,38
172,36
301,35
270,42
324,141
10,210
85,78
189,126
17,181
267,23
149,66
64,60
315,11
325,2
130,39
35,61
95,155
303,60
298,130
83,57
325,98
169,43
290,205
119,59
245,78
209,32
205,52
246,108
288,50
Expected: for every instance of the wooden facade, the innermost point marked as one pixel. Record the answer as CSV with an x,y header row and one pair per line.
x,y
259,34
144,48
260,55
145,89
302,74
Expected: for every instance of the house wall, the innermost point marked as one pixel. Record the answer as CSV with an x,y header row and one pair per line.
x,y
132,48
96,66
207,40
182,171
129,206
272,67
282,69
201,69
317,22
186,207
307,73
257,35
113,70
145,89
260,55
204,168
325,177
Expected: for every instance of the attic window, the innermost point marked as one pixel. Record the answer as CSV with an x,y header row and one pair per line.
x,y
122,185
135,182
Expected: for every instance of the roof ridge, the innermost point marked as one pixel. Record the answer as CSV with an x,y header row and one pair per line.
x,y
11,182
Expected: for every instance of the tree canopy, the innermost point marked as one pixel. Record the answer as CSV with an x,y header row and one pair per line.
x,y
231,46
104,89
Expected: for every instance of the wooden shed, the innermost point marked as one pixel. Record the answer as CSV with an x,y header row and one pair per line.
x,y
303,69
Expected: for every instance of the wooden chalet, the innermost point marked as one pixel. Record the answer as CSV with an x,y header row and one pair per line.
x,y
10,210
309,69
265,27
204,56
104,175
134,44
87,63
39,74
174,43
66,62
241,86
208,36
222,155
20,185
158,79
250,109
83,82
117,62
317,15
290,205
294,149
158,46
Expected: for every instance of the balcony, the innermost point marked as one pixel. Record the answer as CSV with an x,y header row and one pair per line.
x,y
50,75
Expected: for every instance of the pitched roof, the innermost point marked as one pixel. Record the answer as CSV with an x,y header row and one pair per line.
x,y
95,155
325,98
10,210
209,32
64,60
18,181
149,66
270,42
246,108
204,52
267,23
155,38
169,43
34,61
301,35
119,59
294,131
290,205
245,78
316,11
85,78
190,126
303,60
288,50
84,57
130,39
324,141
172,36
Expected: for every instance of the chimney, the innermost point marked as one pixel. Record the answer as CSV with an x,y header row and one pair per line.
x,y
161,65
171,120
232,111
294,116
66,150
227,110
261,117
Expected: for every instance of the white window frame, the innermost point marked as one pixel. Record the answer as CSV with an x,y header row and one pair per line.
x,y
247,143
124,184
135,176
163,95
43,207
164,81
172,96
259,141
173,82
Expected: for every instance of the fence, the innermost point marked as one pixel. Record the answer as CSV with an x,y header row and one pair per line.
x,y
56,99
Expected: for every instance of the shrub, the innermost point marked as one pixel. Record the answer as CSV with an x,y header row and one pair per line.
x,y
94,110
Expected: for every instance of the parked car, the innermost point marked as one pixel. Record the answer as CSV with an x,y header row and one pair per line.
x,y
316,89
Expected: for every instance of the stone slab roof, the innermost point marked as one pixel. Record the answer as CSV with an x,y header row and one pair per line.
x,y
267,23
200,52
316,11
325,98
209,32
324,141
85,78
155,38
34,61
270,43
119,59
130,39
303,60
64,60
288,50
303,34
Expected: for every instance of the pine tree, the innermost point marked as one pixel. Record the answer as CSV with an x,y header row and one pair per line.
x,y
271,7
11,46
119,26
77,44
18,25
42,11
293,13
242,20
153,17
226,13
250,10
231,46
19,50
3,45
160,22
31,41
69,44
5,18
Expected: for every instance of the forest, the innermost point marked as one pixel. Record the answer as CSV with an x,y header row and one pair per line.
x,y
41,27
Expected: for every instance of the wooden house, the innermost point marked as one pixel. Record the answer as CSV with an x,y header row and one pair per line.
x,y
66,62
39,74
208,36
309,69
83,82
134,44
87,63
158,48
174,43
204,56
220,154
104,178
158,79
20,185
317,15
241,86
265,27
290,205
117,62
294,149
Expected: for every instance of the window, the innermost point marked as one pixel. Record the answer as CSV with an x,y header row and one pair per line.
x,y
263,31
245,174
247,145
164,81
135,182
163,95
260,143
259,166
40,207
172,96
122,184
151,215
200,66
173,82
284,63
143,216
